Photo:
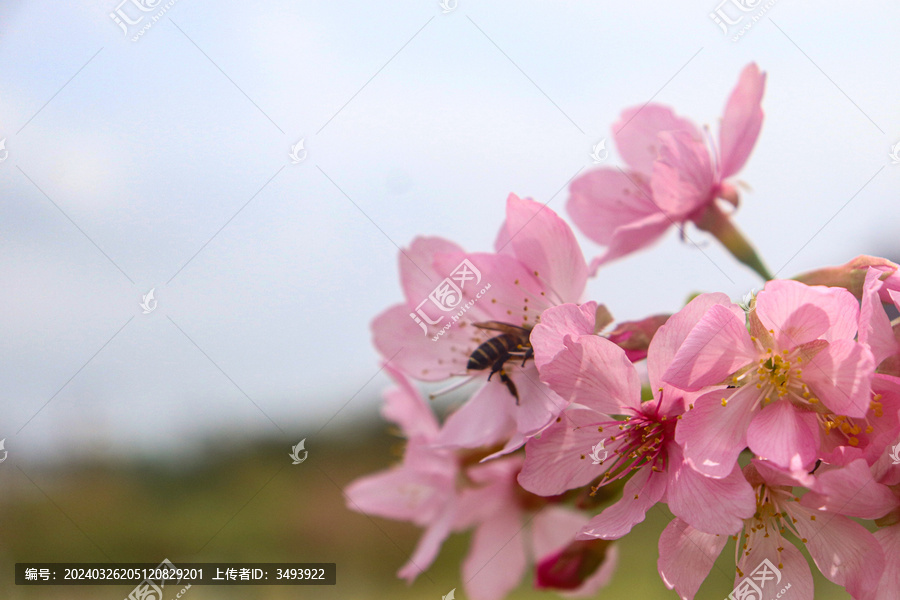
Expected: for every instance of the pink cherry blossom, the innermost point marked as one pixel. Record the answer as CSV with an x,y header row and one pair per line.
x,y
434,488
775,423
537,264
844,551
599,381
513,529
674,176
422,489
798,374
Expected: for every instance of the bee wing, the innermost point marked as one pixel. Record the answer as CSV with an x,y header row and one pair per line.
x,y
502,327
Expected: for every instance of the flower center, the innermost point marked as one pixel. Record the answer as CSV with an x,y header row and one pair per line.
x,y
637,441
849,428
770,519
779,375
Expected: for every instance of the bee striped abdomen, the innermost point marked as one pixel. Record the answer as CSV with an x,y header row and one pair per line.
x,y
489,351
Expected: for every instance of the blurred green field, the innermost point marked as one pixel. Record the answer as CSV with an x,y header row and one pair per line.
x,y
249,503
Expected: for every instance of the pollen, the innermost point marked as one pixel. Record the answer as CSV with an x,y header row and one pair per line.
x,y
724,402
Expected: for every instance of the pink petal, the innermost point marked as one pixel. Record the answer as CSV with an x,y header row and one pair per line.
x,y
893,296
889,538
495,491
874,325
718,346
717,506
538,404
785,435
484,420
509,291
401,341
557,460
605,199
547,246
788,565
645,488
713,435
851,491
596,373
800,313
632,237
686,556
428,547
558,322
843,550
683,179
496,560
671,336
512,444
742,121
768,472
637,130
418,274
502,294
400,494
840,376
406,407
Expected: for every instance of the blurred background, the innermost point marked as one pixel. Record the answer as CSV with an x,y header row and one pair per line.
x,y
257,168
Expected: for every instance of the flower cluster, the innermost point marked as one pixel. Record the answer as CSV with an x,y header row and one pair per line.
x,y
772,424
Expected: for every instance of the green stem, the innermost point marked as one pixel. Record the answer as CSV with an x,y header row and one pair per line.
x,y
717,223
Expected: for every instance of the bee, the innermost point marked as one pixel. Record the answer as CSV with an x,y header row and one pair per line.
x,y
513,341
